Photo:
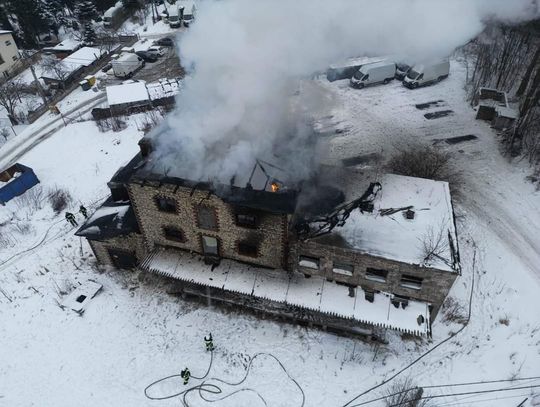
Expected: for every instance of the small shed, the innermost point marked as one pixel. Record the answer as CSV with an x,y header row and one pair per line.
x,y
128,96
63,49
493,107
15,181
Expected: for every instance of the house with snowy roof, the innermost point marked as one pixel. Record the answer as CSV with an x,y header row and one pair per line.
x,y
322,253
59,73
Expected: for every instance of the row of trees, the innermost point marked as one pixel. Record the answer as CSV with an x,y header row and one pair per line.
x,y
508,58
29,19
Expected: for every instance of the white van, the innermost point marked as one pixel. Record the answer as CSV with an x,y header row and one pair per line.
x,y
422,75
126,65
188,12
370,74
175,16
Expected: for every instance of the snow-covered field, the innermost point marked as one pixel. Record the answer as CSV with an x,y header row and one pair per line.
x,y
133,333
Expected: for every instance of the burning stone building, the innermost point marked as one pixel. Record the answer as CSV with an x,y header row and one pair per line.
x,y
331,256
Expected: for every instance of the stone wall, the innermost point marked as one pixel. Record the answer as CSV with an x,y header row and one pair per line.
x,y
435,285
130,243
271,233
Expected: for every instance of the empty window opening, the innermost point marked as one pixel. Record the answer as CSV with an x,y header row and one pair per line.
x,y
413,282
376,275
166,204
206,218
248,220
248,249
174,233
308,262
81,298
343,269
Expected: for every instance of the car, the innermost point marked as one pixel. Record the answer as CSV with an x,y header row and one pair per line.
x,y
165,42
147,56
157,51
106,67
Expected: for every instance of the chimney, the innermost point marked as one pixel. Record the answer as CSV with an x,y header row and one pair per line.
x,y
145,145
409,214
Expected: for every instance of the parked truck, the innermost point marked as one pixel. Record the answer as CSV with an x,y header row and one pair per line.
x,y
371,74
188,11
126,65
114,16
175,16
346,69
422,75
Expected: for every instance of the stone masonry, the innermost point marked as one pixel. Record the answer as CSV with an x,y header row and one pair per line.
x,y
435,285
270,236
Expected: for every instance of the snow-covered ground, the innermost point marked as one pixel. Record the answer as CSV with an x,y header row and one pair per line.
x,y
132,333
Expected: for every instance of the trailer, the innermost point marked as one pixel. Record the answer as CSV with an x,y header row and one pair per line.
x,y
15,181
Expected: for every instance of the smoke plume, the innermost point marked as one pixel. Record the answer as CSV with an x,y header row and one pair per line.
x,y
242,99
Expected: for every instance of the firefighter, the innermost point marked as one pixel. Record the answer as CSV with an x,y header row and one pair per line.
x,y
185,374
83,211
71,219
209,343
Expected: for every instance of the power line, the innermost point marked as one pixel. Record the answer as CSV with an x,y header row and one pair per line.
x,y
427,352
461,394
448,385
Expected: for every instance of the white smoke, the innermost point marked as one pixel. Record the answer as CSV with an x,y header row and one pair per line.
x,y
247,57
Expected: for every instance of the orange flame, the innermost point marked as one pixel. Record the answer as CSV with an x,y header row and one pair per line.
x,y
274,186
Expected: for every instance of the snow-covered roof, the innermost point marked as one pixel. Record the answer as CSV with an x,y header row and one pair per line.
x,y
397,238
127,93
110,220
67,45
313,293
82,57
164,88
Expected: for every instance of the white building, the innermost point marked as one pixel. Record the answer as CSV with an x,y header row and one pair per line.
x,y
9,53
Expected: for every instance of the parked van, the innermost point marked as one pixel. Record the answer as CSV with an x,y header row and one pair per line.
x,y
113,17
422,75
126,65
370,74
346,69
175,16
188,12
402,69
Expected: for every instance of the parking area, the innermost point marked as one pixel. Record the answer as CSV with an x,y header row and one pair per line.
x,y
167,66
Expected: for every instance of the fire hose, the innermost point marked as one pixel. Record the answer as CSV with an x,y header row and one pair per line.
x,y
211,388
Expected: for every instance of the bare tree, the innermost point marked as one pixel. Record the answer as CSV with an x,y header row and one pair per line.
x,y
434,245
11,96
57,69
404,393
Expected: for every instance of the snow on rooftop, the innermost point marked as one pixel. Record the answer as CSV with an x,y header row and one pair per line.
x,y
127,93
397,238
164,88
313,293
68,44
82,57
117,211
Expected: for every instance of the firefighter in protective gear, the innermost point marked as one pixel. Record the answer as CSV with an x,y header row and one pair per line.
x,y
185,374
209,342
83,211
71,219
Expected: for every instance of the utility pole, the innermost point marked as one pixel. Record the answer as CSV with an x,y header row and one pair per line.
x,y
38,84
